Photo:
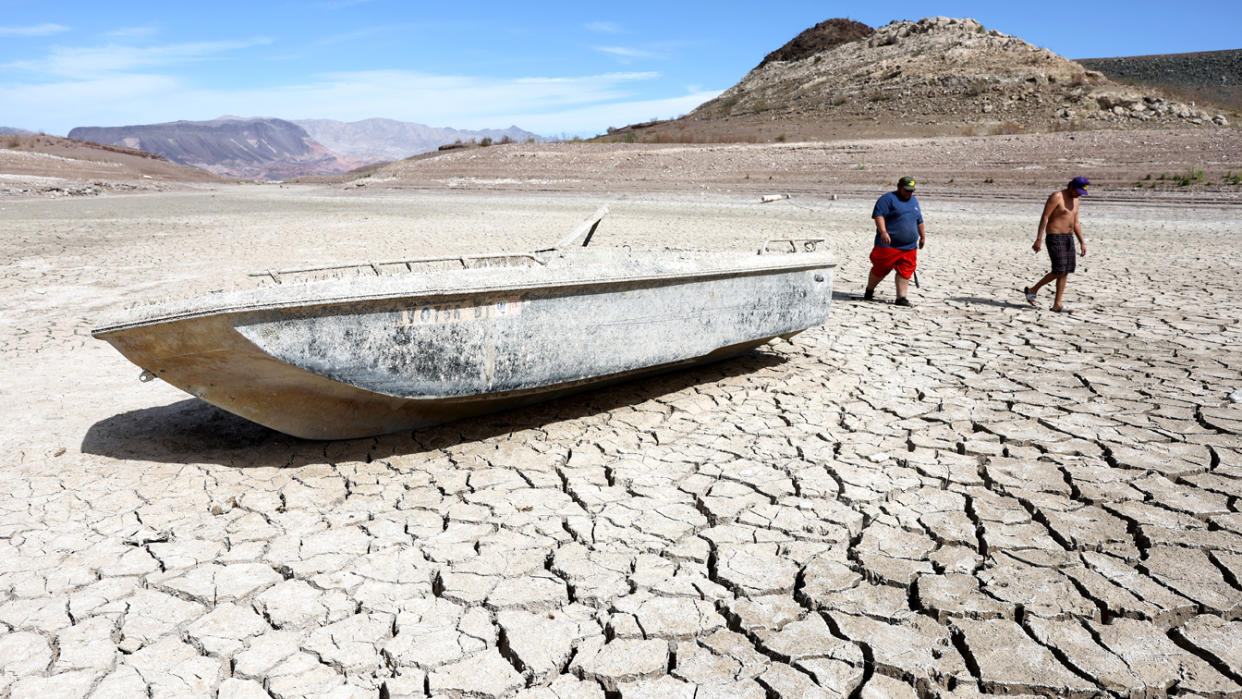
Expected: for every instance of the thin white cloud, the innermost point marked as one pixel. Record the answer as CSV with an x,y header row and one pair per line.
x,y
367,93
611,77
37,30
605,27
101,61
592,120
625,52
356,35
57,107
129,33
337,4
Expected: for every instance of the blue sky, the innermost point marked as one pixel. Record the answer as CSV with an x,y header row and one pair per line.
x,y
555,68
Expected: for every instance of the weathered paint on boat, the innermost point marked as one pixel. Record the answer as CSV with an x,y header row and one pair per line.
x,y
364,355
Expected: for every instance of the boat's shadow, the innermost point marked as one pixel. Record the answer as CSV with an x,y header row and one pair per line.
x,y
193,431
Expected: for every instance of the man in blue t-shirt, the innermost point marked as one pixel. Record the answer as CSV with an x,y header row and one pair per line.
x,y
898,236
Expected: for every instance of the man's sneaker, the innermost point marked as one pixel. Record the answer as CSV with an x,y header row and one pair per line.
x,y
903,301
868,294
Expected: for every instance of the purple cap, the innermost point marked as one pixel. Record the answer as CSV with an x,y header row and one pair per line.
x,y
1079,184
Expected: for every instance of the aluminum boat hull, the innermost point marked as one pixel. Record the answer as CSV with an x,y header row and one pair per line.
x,y
351,357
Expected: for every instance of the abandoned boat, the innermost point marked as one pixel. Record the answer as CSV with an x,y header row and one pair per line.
x,y
360,350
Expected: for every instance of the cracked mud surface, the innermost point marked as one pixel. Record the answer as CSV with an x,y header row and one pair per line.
x,y
968,497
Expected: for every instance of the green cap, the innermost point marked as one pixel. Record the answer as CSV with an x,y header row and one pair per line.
x,y
906,183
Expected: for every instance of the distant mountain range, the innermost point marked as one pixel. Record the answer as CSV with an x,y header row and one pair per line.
x,y
278,149
267,149
378,140
13,130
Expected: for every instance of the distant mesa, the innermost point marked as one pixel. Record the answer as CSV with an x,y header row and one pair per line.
x,y
279,149
939,76
14,131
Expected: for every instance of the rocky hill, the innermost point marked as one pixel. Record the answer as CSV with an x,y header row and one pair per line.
x,y
824,36
936,76
376,140
263,149
1214,77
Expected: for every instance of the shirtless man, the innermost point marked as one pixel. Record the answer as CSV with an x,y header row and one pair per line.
x,y
1060,219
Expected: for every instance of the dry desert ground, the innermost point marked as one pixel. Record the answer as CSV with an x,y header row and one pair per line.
x,y
968,497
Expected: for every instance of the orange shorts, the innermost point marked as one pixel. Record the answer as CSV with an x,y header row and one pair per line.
x,y
884,260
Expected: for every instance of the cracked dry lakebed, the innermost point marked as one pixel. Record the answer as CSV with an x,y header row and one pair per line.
x,y
967,497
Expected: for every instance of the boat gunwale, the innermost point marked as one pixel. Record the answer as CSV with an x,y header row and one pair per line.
x,y
823,260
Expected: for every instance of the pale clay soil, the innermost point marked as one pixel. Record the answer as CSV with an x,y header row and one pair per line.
x,y
971,496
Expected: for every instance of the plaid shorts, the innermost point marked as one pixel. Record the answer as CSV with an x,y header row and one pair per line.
x,y
1061,251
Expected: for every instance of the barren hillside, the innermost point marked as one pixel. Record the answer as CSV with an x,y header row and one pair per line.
x,y
1203,76
43,165
937,76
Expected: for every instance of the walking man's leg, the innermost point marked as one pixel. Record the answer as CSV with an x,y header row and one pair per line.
x,y
1040,284
873,280
1061,278
903,285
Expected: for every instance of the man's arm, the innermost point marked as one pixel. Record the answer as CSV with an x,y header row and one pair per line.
x,y
1049,207
922,235
1078,232
882,229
